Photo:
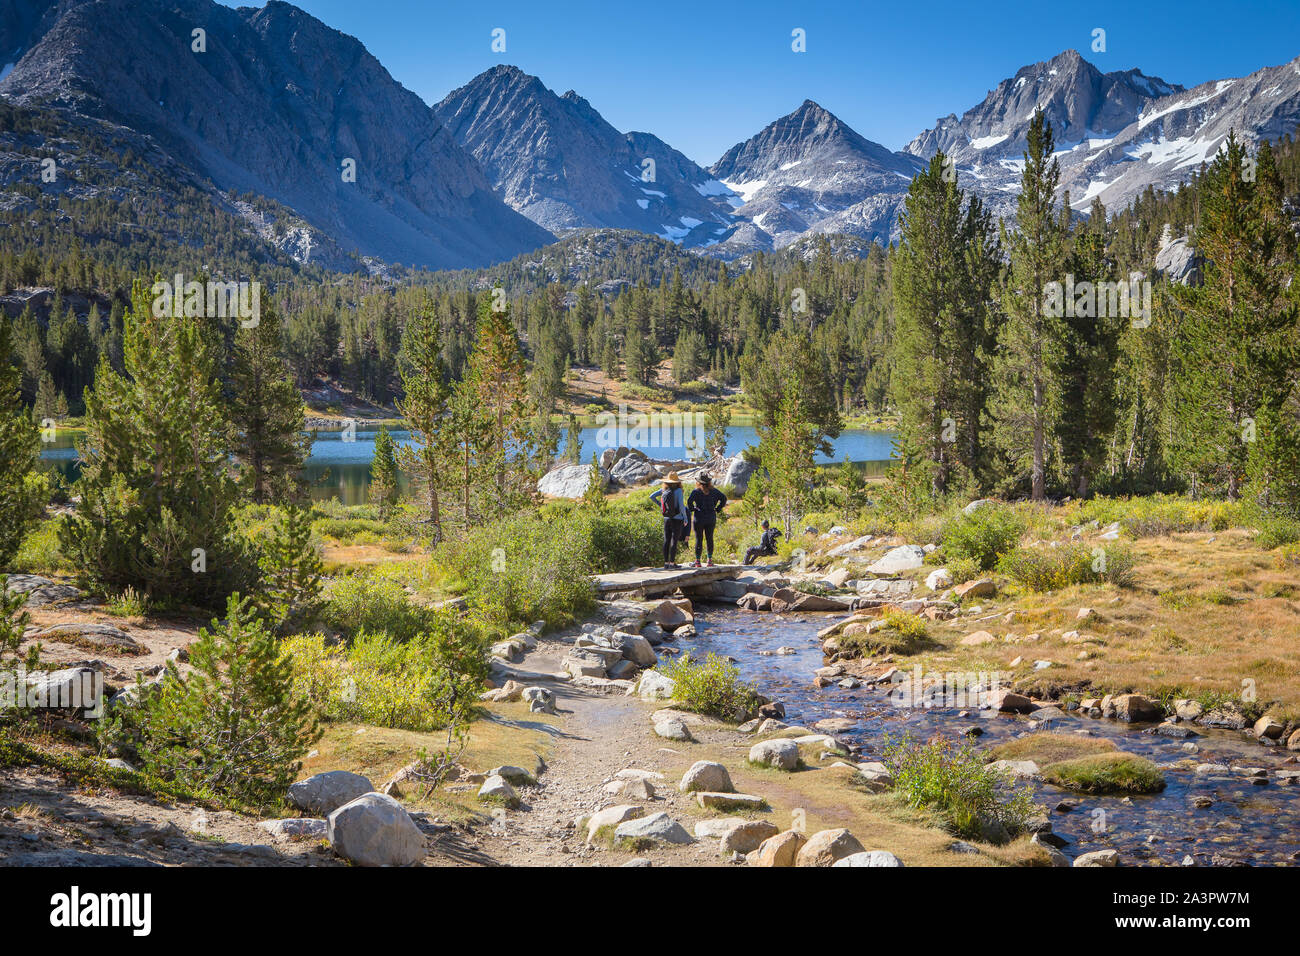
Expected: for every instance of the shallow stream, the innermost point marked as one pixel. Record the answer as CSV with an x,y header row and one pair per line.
x,y
1246,823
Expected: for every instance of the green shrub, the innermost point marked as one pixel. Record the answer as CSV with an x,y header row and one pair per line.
x,y
530,567
1165,514
428,682
963,570
231,725
1106,773
1051,568
130,603
1275,532
40,551
982,536
952,780
712,687
377,604
902,633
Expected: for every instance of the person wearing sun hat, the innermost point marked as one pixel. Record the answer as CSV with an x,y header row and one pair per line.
x,y
703,507
672,505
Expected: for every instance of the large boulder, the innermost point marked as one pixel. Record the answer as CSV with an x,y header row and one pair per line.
x,y
905,557
638,650
602,823
652,685
658,828
374,830
737,475
827,847
1134,708
324,793
1178,262
103,638
869,858
779,752
569,481
788,599
747,836
780,850
706,775
40,591
633,469
72,688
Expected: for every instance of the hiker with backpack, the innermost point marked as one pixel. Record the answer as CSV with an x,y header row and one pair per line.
x,y
766,543
672,505
703,507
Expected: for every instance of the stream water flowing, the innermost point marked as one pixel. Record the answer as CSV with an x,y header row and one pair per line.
x,y
1246,823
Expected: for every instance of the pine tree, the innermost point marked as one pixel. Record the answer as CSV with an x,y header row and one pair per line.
x,y
593,496
424,405
289,587
19,448
1085,367
573,441
383,473
789,365
155,490
511,453
1030,336
266,414
231,724
786,449
1235,355
945,265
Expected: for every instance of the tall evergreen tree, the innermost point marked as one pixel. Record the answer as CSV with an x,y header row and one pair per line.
x,y
511,454
946,262
1030,336
155,489
19,448
1085,367
383,473
424,405
1236,352
266,413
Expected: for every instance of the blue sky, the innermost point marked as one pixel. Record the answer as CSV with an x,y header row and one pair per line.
x,y
704,76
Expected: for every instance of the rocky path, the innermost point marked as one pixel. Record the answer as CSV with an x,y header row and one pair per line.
x,y
599,735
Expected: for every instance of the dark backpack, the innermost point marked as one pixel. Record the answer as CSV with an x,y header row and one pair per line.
x,y
666,503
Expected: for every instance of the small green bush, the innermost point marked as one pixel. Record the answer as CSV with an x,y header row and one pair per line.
x,y
376,604
712,687
1276,532
130,603
231,724
40,551
427,682
903,633
953,780
530,567
1052,568
982,536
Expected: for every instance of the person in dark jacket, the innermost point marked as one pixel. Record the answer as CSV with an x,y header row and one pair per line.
x,y
672,505
702,508
766,544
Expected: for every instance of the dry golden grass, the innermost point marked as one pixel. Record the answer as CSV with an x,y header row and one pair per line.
x,y
506,734
1208,616
1045,748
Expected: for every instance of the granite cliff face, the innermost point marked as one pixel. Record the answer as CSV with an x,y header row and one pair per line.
x,y
275,110
1116,133
276,105
560,163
